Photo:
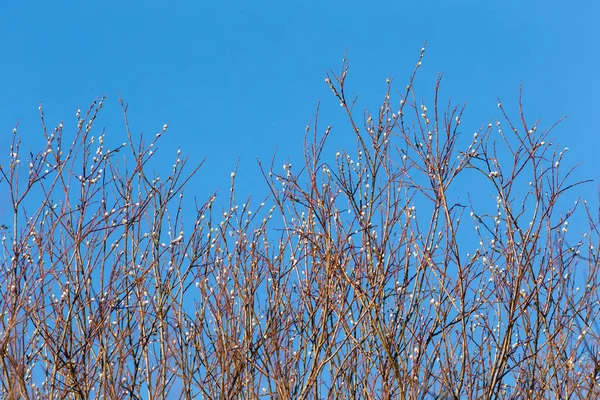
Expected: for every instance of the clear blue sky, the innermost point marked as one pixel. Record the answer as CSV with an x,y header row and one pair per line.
x,y
238,78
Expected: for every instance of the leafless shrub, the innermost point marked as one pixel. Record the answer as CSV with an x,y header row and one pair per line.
x,y
370,274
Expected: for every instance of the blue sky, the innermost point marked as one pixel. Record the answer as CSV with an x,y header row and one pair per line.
x,y
238,79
